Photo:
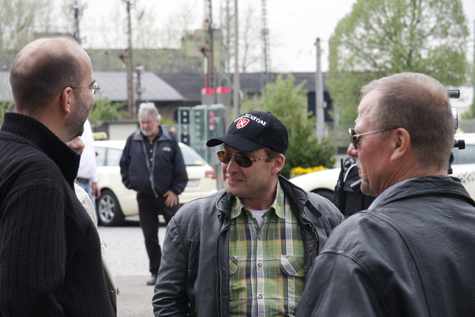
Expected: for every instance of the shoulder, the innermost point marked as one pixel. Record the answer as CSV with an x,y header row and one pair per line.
x,y
203,207
197,218
23,163
357,234
85,201
323,205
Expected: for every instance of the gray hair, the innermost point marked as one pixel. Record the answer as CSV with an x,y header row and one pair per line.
x,y
148,109
419,104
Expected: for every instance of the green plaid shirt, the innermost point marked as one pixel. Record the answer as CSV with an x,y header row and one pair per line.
x,y
266,265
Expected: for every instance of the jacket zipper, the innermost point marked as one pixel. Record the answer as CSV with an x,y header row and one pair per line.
x,y
150,169
220,306
308,223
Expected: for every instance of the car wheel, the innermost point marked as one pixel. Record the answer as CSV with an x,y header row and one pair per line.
x,y
328,194
108,209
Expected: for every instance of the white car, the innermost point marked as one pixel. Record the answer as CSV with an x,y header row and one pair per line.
x,y
324,182
117,202
321,182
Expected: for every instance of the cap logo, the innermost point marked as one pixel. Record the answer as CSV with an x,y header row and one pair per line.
x,y
242,123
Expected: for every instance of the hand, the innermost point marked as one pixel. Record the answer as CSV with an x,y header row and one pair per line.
x,y
77,145
172,198
95,190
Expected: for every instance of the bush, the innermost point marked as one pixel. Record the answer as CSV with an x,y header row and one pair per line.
x,y
107,110
288,103
4,106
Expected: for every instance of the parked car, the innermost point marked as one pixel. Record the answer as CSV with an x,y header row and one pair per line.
x,y
324,182
321,182
117,202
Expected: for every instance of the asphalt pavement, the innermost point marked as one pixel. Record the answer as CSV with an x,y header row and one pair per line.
x,y
129,263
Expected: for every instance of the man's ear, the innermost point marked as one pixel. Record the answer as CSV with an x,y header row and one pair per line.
x,y
400,142
67,99
279,162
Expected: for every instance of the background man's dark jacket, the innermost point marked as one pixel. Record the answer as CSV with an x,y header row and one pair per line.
x,y
169,171
50,253
194,272
412,255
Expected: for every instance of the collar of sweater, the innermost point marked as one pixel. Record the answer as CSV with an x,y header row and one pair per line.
x,y
45,140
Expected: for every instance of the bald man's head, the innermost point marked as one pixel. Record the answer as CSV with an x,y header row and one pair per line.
x,y
42,70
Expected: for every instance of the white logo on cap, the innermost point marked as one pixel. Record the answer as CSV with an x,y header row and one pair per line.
x,y
242,123
251,117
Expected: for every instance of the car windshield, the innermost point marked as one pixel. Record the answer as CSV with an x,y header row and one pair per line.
x,y
465,156
191,157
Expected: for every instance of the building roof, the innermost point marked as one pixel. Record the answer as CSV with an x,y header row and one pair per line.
x,y
187,85
190,85
114,87
166,87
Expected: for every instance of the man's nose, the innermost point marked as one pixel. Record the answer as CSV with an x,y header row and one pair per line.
x,y
351,151
232,165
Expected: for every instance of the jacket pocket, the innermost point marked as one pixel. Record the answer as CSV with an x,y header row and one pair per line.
x,y
293,265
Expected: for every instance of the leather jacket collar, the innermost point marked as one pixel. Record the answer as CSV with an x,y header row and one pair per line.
x,y
297,197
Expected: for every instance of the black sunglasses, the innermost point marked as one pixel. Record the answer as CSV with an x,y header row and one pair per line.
x,y
241,160
356,137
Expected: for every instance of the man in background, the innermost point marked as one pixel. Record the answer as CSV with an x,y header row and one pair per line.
x,y
411,253
87,173
50,252
152,165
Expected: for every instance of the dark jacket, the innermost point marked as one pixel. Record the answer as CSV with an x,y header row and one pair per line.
x,y
168,169
50,253
193,276
413,255
348,197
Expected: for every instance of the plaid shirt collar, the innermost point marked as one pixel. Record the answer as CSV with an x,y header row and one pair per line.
x,y
277,205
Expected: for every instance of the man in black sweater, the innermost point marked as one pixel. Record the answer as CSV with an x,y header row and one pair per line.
x,y
50,253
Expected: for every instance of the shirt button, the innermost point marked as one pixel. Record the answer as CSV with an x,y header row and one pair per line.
x,y
259,265
260,296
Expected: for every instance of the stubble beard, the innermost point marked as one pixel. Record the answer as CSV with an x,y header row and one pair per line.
x,y
75,122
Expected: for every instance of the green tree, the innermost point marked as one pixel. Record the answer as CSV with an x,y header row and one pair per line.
x,y
470,113
4,106
107,110
23,20
289,103
383,37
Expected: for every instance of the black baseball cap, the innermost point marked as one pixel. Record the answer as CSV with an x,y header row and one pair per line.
x,y
253,131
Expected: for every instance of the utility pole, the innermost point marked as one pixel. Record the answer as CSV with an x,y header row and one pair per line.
x,y
319,94
228,43
265,48
129,63
209,47
236,63
139,69
78,9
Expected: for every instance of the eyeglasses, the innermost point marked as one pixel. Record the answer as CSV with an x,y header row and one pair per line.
x,y
95,88
241,160
356,137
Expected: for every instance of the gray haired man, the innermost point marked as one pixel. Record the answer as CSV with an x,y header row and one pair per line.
x,y
152,165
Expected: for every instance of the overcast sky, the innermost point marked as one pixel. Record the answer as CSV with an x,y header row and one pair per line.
x,y
294,24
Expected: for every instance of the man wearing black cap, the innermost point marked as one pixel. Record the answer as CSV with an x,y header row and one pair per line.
x,y
246,249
